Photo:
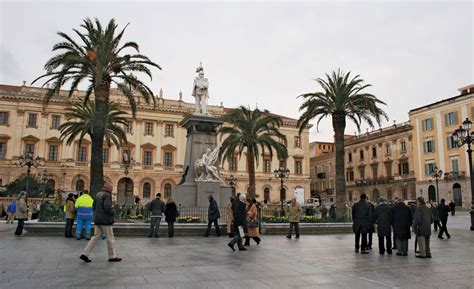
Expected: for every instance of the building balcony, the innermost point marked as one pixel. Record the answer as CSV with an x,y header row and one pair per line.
x,y
321,175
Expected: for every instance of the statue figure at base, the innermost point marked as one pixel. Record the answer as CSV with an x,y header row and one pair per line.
x,y
200,91
205,168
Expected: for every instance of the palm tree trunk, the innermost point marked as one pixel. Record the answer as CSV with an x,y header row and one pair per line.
x,y
251,170
339,125
97,163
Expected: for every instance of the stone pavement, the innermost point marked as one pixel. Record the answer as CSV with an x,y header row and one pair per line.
x,y
318,261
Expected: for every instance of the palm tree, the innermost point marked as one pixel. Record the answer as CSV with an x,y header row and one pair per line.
x,y
254,132
101,60
83,114
341,98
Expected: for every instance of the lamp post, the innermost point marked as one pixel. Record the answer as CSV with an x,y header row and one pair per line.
x,y
464,136
29,161
282,173
436,174
232,181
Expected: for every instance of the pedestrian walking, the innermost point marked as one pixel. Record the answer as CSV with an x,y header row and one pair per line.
x,y
452,208
156,209
383,219
171,213
443,217
213,215
435,215
371,226
103,221
422,224
70,209
230,217
252,223
362,219
84,215
11,210
294,213
402,220
21,213
240,223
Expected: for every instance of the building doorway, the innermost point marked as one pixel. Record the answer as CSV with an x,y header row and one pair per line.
x,y
432,193
125,191
457,194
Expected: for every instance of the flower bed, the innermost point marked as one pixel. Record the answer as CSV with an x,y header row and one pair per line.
x,y
189,220
305,219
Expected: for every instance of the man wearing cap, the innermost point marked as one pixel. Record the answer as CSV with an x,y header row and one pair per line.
x,y
362,219
422,224
383,219
103,221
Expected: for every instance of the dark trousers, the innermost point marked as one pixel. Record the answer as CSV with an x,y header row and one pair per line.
x,y
436,225
453,212
385,240
237,239
394,242
68,229
19,228
297,229
369,244
216,225
402,246
170,229
247,240
444,228
154,226
358,236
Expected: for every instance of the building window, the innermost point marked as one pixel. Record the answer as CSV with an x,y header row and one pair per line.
x,y
283,163
53,153
147,158
451,118
403,169
105,155
3,118
427,124
148,128
266,194
298,167
30,148
168,189
168,159
429,168
128,127
146,190
403,146
472,112
126,155
350,176
32,117
349,155
282,140
3,151
388,150
374,152
451,143
455,165
82,154
362,172
374,171
429,146
55,121
169,130
388,169
267,166
233,164
361,155
297,141
404,193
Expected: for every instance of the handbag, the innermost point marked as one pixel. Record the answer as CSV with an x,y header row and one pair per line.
x,y
252,223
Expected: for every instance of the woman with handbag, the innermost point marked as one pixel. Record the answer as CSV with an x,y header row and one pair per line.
x,y
252,223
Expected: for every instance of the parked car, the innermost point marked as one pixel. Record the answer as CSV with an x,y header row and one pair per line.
x,y
312,202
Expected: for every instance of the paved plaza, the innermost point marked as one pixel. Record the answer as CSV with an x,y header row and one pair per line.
x,y
317,261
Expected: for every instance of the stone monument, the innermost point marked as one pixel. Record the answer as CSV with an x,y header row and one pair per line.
x,y
201,164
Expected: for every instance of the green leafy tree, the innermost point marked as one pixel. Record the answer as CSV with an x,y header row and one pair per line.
x,y
35,186
81,123
255,133
100,58
341,98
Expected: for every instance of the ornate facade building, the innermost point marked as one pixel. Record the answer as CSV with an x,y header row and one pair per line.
x,y
435,150
156,146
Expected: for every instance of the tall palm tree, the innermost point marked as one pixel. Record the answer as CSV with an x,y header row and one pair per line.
x,y
252,131
341,98
81,123
101,59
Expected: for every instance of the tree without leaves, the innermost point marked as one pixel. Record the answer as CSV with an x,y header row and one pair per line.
x,y
100,59
341,97
254,132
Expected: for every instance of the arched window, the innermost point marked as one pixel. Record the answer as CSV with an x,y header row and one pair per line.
x,y
168,189
50,186
146,190
266,194
80,186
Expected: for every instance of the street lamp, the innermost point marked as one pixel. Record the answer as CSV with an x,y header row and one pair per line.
x,y
437,174
29,161
282,173
464,136
232,181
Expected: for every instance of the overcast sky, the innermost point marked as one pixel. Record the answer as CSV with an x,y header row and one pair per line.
x,y
267,53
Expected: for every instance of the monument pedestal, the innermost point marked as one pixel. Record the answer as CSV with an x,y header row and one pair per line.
x,y
201,135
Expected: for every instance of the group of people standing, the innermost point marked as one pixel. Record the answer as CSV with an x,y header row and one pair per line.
x,y
400,218
157,208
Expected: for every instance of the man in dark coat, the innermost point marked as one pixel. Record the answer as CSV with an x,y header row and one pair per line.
x,y
240,220
362,219
402,220
443,217
452,207
213,215
435,214
156,208
422,225
103,221
383,219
